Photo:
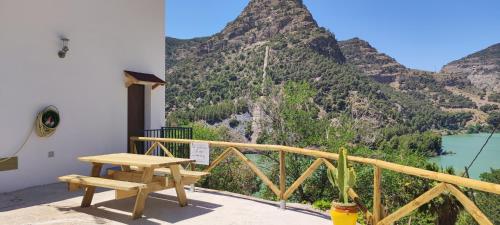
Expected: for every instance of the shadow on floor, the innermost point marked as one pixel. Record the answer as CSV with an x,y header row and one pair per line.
x,y
38,195
158,206
267,202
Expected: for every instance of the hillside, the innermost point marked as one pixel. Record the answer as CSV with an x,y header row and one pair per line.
x,y
481,68
274,42
369,60
420,84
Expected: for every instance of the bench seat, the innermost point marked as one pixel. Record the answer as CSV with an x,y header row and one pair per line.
x,y
163,171
101,182
184,173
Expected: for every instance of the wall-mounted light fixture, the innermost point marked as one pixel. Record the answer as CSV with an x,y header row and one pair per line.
x,y
65,48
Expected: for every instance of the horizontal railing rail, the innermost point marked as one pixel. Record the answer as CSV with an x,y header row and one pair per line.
x,y
448,182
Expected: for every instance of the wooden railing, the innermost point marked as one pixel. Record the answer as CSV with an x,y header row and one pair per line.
x,y
448,183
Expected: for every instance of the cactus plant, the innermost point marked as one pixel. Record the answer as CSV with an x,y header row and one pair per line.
x,y
342,177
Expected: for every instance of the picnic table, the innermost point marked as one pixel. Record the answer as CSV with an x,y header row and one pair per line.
x,y
138,176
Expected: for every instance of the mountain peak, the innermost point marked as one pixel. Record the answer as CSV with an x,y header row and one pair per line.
x,y
263,19
285,23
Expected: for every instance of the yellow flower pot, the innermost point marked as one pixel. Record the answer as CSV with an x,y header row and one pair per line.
x,y
344,214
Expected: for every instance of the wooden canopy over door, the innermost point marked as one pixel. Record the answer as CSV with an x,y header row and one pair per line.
x,y
135,117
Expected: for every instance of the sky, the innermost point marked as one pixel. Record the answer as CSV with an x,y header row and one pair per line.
x,y
420,34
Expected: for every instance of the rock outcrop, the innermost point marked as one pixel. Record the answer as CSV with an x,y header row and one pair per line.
x,y
481,68
379,66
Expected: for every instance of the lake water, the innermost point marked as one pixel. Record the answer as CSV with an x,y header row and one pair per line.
x,y
465,147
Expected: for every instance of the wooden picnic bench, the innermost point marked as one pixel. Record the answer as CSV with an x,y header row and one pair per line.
x,y
146,177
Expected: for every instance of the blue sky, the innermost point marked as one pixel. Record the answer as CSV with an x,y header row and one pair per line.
x,y
421,34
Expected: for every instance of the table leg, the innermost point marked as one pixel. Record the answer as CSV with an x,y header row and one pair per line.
x,y
142,195
179,187
140,201
89,190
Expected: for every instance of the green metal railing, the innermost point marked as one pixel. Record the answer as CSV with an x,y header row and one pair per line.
x,y
180,150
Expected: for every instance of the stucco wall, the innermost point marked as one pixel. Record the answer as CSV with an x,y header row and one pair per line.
x,y
106,37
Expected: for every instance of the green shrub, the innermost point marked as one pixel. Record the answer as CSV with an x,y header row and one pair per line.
x,y
322,204
233,123
494,97
494,119
488,107
248,130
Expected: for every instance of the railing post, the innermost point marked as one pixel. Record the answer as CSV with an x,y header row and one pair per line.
x,y
282,180
377,195
131,146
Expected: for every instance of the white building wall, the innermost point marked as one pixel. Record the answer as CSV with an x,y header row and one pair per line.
x,y
106,37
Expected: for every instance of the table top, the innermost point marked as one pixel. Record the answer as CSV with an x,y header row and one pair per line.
x,y
127,159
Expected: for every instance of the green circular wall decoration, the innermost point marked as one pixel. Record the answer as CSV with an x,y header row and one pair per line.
x,y
47,121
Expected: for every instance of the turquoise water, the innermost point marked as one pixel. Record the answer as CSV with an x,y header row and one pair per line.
x,y
465,147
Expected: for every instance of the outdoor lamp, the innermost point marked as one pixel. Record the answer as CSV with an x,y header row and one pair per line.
x,y
65,49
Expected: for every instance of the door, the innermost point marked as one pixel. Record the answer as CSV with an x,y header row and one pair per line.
x,y
135,120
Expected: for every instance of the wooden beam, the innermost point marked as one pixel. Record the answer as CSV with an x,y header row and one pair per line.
x,y
74,187
101,182
447,178
131,148
134,149
377,194
179,186
469,205
303,177
164,149
282,175
219,159
142,194
257,171
150,149
129,80
90,190
130,176
140,201
408,208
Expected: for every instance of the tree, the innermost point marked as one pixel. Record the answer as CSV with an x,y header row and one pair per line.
x,y
488,107
494,119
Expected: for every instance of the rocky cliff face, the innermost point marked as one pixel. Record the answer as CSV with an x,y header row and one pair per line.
x,y
481,68
263,20
380,66
424,84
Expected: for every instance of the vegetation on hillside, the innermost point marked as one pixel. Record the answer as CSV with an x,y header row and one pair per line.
x,y
488,108
208,82
494,97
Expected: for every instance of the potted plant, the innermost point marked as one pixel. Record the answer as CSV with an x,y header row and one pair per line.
x,y
343,177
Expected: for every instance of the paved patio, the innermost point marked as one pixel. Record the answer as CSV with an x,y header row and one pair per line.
x,y
53,204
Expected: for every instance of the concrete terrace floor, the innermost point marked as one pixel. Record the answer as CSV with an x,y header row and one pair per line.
x,y
53,204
